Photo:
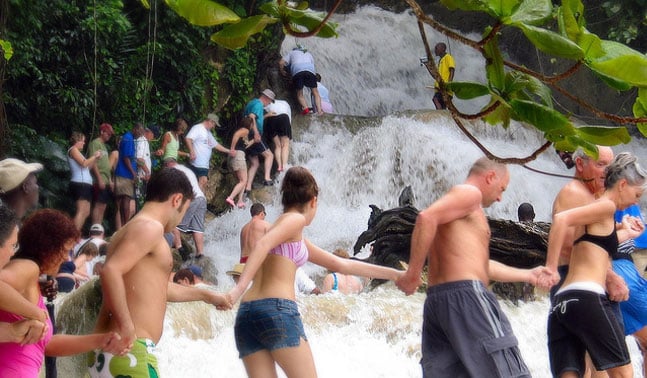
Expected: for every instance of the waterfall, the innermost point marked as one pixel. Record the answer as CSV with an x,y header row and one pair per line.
x,y
372,69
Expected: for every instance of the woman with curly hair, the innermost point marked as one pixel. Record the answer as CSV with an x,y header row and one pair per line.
x,y
44,239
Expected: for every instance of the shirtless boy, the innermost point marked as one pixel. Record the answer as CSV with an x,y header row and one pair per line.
x,y
253,231
453,235
135,280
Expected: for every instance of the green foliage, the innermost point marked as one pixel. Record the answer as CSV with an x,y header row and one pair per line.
x,y
7,49
629,19
240,71
524,97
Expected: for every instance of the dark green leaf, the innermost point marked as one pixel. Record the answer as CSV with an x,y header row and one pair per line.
x,y
467,91
551,42
532,12
603,135
494,64
235,36
203,12
542,117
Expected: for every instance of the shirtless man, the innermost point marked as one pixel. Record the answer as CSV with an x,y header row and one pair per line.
x,y
459,312
253,231
587,184
135,280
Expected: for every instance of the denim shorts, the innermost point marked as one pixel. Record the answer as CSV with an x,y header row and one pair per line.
x,y
271,323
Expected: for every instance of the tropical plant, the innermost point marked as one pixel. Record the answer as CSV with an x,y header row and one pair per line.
x,y
518,93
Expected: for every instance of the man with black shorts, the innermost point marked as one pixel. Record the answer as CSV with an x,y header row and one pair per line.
x,y
255,109
302,70
464,332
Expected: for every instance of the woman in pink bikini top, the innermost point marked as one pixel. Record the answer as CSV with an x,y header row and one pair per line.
x,y
268,320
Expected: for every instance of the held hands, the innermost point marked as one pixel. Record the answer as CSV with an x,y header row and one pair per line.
x,y
544,277
616,287
408,282
221,301
120,343
28,331
633,225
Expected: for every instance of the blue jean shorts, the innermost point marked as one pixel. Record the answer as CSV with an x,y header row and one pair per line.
x,y
271,323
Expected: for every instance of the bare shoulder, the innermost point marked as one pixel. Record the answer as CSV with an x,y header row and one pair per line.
x,y
573,194
140,230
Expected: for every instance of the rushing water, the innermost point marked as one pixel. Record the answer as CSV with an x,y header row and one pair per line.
x,y
374,334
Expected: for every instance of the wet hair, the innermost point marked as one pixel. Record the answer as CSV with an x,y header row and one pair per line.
x,y
318,77
625,166
245,123
43,236
256,209
182,274
166,182
484,164
103,249
525,212
298,187
8,222
76,137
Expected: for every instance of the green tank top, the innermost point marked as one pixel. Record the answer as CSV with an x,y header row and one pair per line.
x,y
172,147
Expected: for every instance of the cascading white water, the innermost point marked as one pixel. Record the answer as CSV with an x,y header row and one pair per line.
x,y
374,334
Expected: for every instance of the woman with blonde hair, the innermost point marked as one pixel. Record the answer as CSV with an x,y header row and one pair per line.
x,y
268,325
81,181
582,318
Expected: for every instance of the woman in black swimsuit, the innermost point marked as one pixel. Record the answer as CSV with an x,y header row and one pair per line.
x,y
582,318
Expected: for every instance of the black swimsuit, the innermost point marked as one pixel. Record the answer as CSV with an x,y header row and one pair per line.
x,y
609,243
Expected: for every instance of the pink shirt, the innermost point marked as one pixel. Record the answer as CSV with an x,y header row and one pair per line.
x,y
18,361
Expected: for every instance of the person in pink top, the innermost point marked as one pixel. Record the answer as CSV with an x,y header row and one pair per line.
x,y
45,239
269,304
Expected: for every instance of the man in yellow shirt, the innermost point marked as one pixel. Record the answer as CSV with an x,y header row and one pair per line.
x,y
446,67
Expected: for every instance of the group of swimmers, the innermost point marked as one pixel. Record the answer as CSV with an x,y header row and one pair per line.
x,y
452,235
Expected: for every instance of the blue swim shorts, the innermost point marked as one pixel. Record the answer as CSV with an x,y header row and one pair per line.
x,y
271,323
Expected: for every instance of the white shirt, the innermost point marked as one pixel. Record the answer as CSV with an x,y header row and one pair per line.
x,y
203,144
197,192
280,107
143,151
303,283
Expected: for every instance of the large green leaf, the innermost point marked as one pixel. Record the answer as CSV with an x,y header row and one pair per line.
x,y
494,64
572,142
570,19
630,69
468,90
531,12
640,110
621,63
551,42
591,44
603,135
301,17
311,22
203,12
503,8
544,118
500,115
520,85
235,36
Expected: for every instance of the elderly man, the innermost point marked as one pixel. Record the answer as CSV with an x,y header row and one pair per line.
x,y
18,185
200,142
464,331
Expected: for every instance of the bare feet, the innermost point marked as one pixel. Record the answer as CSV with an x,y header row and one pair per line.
x,y
230,202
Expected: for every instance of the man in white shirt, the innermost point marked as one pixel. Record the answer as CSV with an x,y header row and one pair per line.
x,y
200,142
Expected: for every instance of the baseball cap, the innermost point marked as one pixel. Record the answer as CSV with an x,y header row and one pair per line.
x,y
106,127
96,228
237,270
196,270
214,118
13,172
269,94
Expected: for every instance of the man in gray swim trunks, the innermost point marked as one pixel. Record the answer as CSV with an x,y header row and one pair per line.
x,y
464,331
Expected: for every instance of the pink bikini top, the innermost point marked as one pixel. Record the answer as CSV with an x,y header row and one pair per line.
x,y
295,251
22,361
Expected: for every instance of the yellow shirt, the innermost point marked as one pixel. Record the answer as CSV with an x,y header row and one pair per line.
x,y
446,62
